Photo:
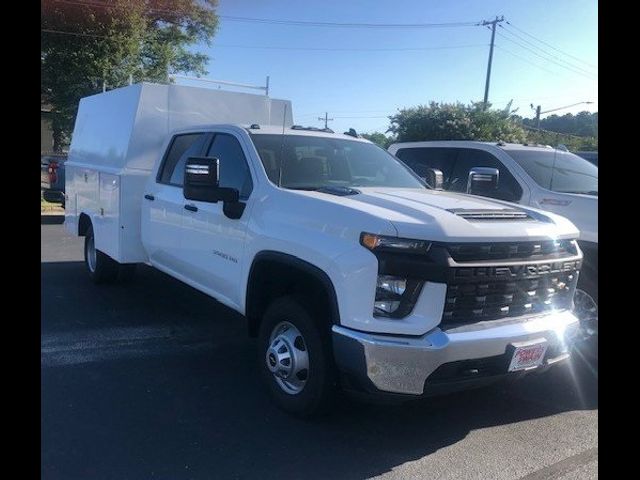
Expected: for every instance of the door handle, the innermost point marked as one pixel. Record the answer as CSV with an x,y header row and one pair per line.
x,y
191,208
149,197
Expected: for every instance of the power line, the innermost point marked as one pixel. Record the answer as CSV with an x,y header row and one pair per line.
x,y
318,49
355,49
577,67
297,23
546,58
300,23
551,131
525,60
551,46
78,34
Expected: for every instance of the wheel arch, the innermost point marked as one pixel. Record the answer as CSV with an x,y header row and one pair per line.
x,y
292,276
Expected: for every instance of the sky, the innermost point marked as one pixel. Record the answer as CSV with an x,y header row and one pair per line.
x,y
385,69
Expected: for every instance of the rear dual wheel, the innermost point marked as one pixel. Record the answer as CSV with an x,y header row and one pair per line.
x,y
100,266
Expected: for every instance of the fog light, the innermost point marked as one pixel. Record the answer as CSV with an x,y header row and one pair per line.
x,y
389,291
386,306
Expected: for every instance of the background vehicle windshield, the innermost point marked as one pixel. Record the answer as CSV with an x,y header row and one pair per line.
x,y
310,162
558,171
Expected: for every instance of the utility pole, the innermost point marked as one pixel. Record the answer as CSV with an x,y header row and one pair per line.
x,y
493,24
326,119
538,112
538,116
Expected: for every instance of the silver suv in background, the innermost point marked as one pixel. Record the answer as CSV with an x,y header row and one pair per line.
x,y
538,176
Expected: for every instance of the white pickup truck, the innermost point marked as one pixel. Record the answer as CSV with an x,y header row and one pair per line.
x,y
539,176
352,273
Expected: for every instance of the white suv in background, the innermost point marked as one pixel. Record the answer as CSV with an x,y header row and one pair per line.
x,y
538,176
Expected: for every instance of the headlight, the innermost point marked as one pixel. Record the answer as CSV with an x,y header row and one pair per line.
x,y
395,295
394,244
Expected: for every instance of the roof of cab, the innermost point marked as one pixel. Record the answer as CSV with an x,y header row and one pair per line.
x,y
277,130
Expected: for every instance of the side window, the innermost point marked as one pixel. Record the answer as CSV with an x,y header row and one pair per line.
x,y
234,171
421,159
182,146
508,187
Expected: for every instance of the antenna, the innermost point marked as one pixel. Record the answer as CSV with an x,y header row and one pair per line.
x,y
284,120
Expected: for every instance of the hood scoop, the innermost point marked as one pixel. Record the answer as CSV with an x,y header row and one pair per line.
x,y
339,191
490,214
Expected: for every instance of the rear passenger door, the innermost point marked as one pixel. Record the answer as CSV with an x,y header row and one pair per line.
x,y
163,203
211,241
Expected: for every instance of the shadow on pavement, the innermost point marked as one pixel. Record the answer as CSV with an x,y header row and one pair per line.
x,y
206,415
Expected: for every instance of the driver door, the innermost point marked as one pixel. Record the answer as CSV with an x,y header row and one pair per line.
x,y
212,242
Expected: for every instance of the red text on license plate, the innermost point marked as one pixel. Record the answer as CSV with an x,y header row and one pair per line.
x,y
527,356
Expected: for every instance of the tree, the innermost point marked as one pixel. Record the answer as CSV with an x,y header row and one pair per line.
x,y
583,124
456,121
378,138
87,43
576,132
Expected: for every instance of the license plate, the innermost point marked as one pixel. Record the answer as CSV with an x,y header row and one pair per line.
x,y
527,356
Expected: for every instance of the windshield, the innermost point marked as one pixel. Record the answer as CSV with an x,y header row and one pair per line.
x,y
311,163
558,171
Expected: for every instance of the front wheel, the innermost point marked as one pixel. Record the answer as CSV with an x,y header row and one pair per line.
x,y
295,359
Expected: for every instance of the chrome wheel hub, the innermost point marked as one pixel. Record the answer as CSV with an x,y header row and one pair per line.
x,y
586,309
287,358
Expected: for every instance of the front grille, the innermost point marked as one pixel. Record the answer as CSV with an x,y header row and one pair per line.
x,y
547,249
475,300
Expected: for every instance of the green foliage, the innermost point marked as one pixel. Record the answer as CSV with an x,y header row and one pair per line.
x,y
379,139
584,124
573,143
111,42
456,121
576,132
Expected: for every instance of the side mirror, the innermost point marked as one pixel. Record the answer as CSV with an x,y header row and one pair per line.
x,y
482,180
434,178
201,176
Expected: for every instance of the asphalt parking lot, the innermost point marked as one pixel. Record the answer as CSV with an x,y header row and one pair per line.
x,y
155,380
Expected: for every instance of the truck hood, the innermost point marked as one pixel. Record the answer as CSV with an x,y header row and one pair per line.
x,y
446,216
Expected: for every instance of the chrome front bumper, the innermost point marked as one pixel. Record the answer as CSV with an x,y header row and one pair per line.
x,y
401,364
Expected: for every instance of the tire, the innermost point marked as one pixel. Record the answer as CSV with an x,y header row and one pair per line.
x,y
101,267
299,394
588,283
